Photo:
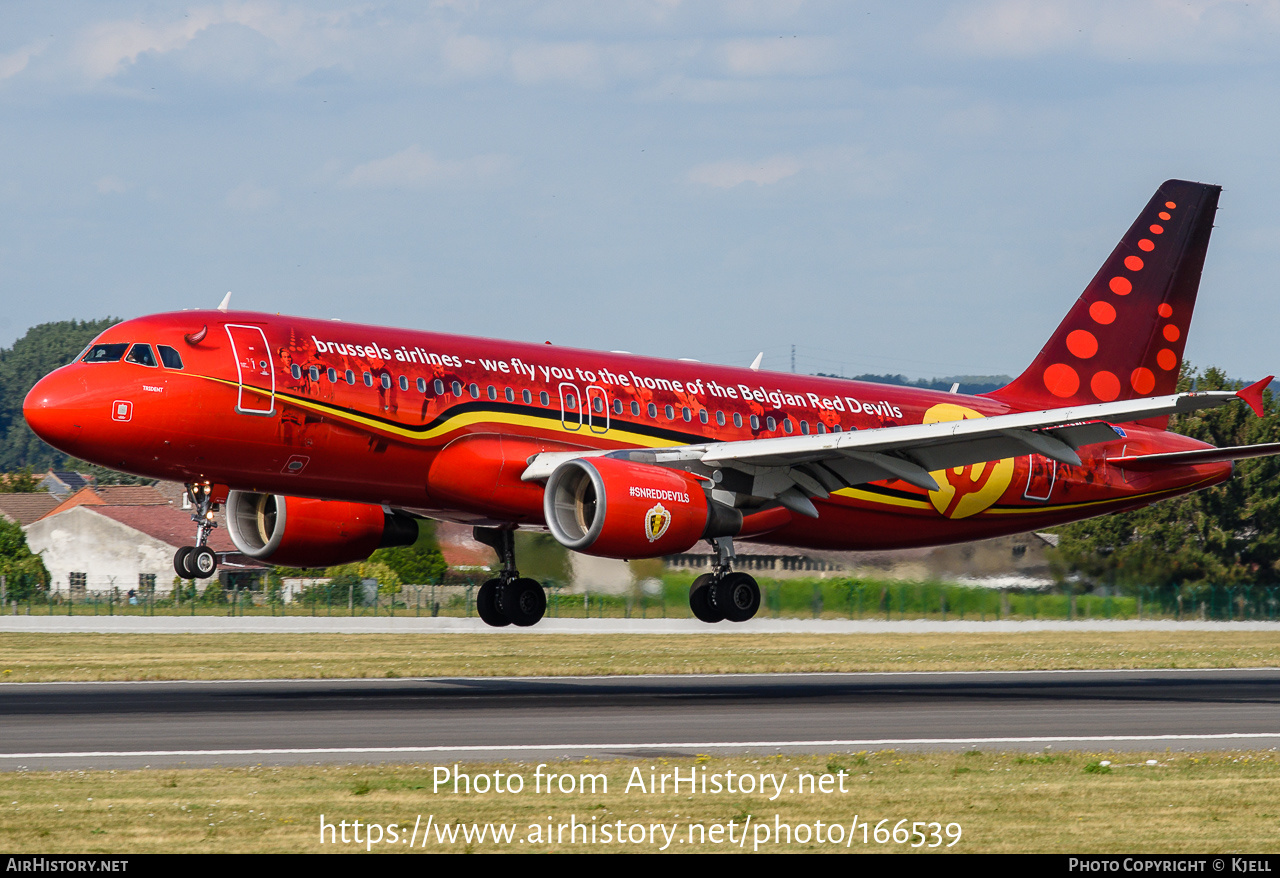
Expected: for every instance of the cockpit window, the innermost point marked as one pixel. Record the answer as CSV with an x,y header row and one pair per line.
x,y
105,353
170,357
142,355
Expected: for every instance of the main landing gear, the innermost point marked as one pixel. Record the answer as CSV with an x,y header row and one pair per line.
x,y
723,594
199,561
508,599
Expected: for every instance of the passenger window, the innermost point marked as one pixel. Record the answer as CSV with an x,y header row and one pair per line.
x,y
422,385
386,380
685,413
142,355
105,353
703,416
171,358
771,423
597,405
457,388
617,406
439,387
526,396
786,426
404,383
804,427
822,428
351,377
333,376
474,390
511,395
543,398
653,410
571,402
755,422
368,380
493,392
720,418
296,371
635,408
737,419
670,413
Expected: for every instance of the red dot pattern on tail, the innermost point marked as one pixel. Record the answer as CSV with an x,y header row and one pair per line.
x,y
1105,386
1142,380
1063,380
1082,343
1102,312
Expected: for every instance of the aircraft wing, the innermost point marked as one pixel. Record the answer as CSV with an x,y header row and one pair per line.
x,y
791,469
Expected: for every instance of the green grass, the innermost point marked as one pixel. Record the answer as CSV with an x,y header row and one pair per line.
x,y
42,657
1161,802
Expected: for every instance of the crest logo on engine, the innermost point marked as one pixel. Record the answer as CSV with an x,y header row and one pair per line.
x,y
656,522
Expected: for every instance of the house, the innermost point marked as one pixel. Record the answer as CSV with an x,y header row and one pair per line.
x,y
26,508
122,537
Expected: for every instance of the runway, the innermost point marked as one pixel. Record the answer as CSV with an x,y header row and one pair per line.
x,y
131,725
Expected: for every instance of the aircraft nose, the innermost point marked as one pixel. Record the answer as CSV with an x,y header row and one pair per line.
x,y
54,409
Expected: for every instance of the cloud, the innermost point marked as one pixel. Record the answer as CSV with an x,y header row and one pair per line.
x,y
1149,30
414,169
848,167
15,62
727,174
249,197
110,185
780,56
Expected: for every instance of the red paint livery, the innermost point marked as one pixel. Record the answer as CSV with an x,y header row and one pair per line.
x,y
626,456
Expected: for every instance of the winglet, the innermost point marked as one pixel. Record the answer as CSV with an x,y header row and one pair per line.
x,y
226,302
1253,394
755,364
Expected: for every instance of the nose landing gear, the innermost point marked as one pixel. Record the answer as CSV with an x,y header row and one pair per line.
x,y
508,599
199,561
723,594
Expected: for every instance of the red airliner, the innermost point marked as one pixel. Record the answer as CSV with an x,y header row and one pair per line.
x,y
326,440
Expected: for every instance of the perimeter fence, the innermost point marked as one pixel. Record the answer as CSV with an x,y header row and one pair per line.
x,y
831,598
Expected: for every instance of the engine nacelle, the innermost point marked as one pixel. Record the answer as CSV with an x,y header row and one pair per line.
x,y
297,532
621,509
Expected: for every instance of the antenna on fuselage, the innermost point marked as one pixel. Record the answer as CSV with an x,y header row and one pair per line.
x,y
226,302
755,364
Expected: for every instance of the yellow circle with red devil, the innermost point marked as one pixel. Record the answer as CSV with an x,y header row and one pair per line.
x,y
966,490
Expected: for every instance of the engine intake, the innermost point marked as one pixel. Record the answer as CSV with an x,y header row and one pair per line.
x,y
299,532
621,509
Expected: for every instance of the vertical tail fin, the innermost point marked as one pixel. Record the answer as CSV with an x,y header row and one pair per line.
x,y
1125,336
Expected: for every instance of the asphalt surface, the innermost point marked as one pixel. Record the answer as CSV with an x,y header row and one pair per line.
x,y
129,725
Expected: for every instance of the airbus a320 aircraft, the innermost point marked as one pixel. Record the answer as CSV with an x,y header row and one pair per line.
x,y
326,440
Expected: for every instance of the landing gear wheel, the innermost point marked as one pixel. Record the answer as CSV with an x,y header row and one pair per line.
x,y
700,600
737,595
180,559
524,602
488,605
202,562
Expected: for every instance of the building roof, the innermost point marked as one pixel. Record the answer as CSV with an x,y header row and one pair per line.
x,y
113,495
166,524
26,508
63,483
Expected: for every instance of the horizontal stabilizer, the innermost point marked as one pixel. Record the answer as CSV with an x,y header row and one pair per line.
x,y
1253,394
1190,458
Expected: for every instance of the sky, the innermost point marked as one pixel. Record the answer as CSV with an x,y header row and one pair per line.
x,y
915,188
